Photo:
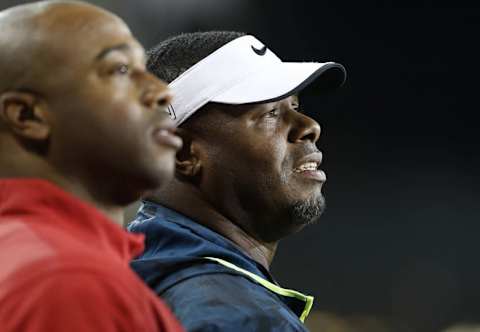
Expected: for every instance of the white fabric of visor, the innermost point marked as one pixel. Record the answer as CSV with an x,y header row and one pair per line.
x,y
229,74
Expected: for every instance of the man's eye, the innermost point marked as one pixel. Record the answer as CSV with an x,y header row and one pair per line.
x,y
273,113
122,69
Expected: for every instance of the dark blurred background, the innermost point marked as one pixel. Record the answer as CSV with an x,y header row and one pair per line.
x,y
399,241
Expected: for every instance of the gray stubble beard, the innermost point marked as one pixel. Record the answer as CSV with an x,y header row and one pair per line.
x,y
309,211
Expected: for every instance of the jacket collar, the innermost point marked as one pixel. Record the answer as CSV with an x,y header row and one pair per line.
x,y
168,231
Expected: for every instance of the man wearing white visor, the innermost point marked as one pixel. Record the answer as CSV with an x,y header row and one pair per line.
x,y
248,175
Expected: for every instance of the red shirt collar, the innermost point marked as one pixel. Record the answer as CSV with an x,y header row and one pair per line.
x,y
49,204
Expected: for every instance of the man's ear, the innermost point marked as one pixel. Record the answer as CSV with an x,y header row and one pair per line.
x,y
187,161
25,115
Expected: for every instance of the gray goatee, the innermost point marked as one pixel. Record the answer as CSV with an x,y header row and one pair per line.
x,y
309,211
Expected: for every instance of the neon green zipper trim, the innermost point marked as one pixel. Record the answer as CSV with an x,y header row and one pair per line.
x,y
271,286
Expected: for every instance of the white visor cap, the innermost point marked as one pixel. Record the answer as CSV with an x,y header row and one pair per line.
x,y
245,71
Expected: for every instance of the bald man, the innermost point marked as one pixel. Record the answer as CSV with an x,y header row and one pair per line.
x,y
83,132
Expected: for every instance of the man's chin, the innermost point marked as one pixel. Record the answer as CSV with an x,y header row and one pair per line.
x,y
308,211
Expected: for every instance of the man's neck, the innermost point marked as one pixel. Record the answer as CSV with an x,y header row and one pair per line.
x,y
23,165
113,212
191,204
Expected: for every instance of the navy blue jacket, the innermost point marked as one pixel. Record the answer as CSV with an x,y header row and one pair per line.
x,y
203,294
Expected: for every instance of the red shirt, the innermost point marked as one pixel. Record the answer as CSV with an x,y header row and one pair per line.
x,y
64,266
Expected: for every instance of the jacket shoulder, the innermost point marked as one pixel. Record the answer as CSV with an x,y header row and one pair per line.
x,y
228,302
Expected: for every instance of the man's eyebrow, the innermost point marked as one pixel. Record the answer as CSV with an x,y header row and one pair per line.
x,y
105,52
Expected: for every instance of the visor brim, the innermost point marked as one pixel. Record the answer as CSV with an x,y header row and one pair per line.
x,y
281,80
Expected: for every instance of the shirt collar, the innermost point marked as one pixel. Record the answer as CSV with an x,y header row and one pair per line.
x,y
40,201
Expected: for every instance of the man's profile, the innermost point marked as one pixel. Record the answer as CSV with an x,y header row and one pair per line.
x,y
83,132
249,174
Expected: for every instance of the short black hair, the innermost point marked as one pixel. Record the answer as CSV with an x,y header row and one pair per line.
x,y
173,56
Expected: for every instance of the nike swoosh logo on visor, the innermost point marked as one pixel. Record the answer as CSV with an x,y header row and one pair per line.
x,y
260,51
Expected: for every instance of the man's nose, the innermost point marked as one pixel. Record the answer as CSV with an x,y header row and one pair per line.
x,y
156,93
304,129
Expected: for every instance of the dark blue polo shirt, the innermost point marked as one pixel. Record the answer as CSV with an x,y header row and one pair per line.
x,y
206,295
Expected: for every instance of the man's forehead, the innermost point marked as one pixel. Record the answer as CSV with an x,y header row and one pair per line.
x,y
59,22
95,34
62,38
74,20
52,13
293,99
215,116
242,109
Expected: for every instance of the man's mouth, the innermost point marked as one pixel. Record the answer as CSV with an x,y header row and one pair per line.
x,y
166,137
310,167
